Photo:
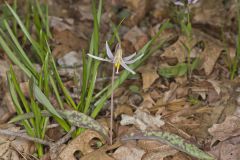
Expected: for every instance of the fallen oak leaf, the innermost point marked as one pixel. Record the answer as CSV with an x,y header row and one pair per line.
x,y
81,143
173,140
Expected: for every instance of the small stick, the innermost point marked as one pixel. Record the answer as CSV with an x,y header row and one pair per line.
x,y
37,140
66,137
24,136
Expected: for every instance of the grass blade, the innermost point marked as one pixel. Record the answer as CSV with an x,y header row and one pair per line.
x,y
39,52
44,101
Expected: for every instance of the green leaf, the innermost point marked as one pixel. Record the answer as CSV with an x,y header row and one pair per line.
x,y
22,55
173,71
75,118
82,120
44,101
17,104
134,88
27,34
94,46
174,141
13,57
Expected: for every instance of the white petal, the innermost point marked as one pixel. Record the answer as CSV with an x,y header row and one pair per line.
x,y
134,60
129,57
109,52
99,58
178,3
194,1
127,68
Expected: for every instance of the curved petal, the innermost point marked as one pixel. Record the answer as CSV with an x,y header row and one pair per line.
x,y
194,1
127,68
178,3
109,52
129,57
99,58
134,60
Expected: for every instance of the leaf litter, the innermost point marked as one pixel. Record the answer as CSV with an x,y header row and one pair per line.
x,y
202,110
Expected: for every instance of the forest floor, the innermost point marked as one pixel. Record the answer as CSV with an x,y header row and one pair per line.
x,y
202,107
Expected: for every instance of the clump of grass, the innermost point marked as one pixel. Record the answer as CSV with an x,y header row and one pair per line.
x,y
183,17
47,82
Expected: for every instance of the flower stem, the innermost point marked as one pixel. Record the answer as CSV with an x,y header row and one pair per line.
x,y
112,106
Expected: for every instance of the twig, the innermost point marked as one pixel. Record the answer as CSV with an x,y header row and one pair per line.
x,y
66,137
38,140
24,136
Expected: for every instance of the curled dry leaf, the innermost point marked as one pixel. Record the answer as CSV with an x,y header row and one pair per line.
x,y
150,146
227,150
215,85
80,143
7,108
149,75
229,128
171,94
177,50
211,52
11,146
58,24
130,152
101,154
97,155
143,120
159,155
155,150
138,9
205,10
123,109
148,102
161,10
137,37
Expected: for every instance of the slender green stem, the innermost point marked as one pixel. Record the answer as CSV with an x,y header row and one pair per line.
x,y
112,106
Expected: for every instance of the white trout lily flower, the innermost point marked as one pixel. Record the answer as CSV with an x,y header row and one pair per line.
x,y
118,60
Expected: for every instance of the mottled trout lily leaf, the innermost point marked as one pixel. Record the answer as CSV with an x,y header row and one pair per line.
x,y
174,141
73,117
82,120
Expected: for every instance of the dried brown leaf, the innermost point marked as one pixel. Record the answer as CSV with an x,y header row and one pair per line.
x,y
149,75
123,109
137,37
229,128
130,152
227,150
80,143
